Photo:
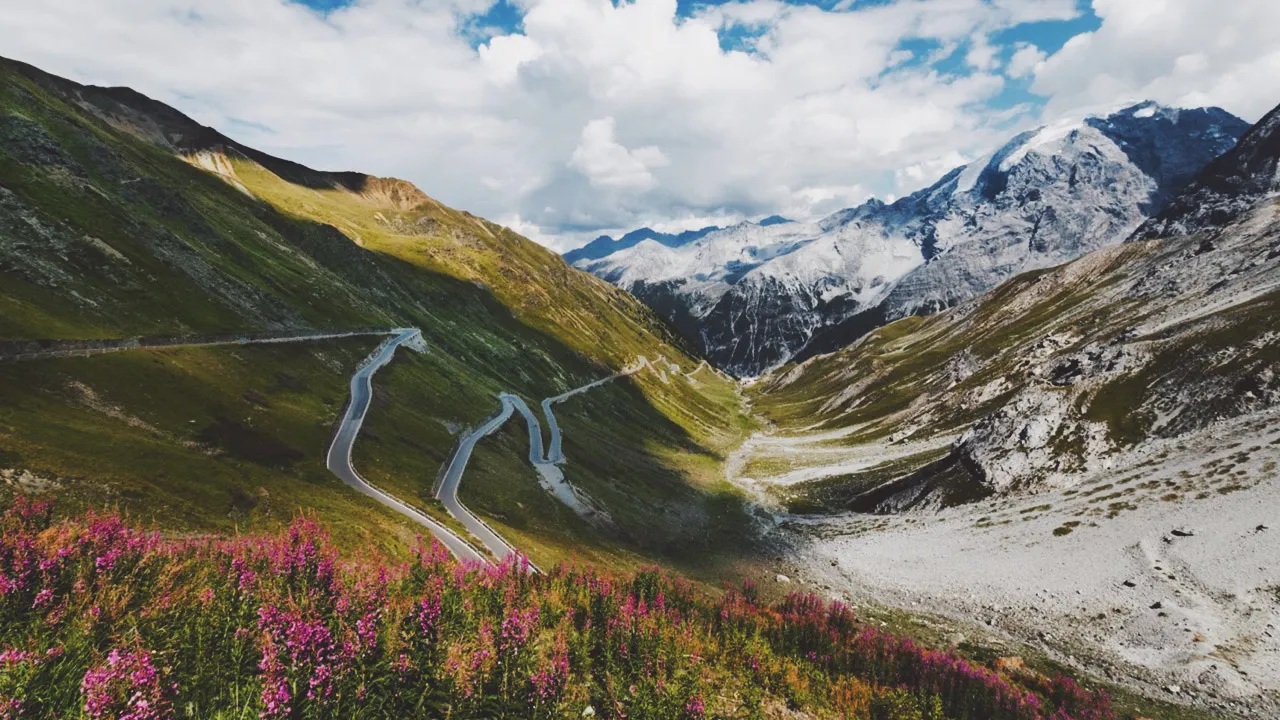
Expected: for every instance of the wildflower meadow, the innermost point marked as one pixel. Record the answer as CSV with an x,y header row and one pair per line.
x,y
100,620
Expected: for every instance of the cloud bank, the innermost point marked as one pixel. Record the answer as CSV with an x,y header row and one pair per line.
x,y
583,116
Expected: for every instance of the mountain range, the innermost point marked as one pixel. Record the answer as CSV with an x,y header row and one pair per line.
x,y
1038,400
754,296
1085,454
605,245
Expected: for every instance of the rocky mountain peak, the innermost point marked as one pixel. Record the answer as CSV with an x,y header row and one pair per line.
x,y
1229,186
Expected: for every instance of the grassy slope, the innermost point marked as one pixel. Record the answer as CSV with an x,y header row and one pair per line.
x,y
904,371
242,450
106,231
908,358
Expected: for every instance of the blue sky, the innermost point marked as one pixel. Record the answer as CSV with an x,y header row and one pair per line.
x,y
565,119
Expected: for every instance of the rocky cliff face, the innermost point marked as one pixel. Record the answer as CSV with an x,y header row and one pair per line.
x,y
755,296
1230,185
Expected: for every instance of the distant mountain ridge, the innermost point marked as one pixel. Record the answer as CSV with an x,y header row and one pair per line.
x,y
605,245
752,297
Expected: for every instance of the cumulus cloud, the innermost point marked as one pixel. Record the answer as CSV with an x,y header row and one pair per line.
x,y
983,55
1180,52
601,116
1026,58
607,164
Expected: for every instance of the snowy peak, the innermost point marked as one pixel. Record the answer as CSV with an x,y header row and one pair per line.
x,y
1169,145
757,295
722,255
774,220
1228,187
605,245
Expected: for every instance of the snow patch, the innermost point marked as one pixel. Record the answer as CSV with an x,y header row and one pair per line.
x,y
969,176
1046,140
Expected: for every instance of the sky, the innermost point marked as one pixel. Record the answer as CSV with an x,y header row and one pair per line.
x,y
567,119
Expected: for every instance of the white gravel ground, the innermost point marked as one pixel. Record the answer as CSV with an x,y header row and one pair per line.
x,y
1169,581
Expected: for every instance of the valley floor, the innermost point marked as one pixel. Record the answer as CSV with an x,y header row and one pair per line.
x,y
1158,572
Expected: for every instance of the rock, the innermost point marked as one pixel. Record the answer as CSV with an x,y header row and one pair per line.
x,y
1011,664
1173,689
1157,605
1129,583
588,711
783,578
1182,532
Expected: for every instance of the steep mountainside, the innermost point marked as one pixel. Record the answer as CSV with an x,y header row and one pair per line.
x,y
753,297
120,216
1229,186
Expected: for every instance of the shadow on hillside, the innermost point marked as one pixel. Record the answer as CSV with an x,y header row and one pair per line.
x,y
197,254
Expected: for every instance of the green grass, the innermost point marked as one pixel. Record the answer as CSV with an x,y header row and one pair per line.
x,y
195,440
104,233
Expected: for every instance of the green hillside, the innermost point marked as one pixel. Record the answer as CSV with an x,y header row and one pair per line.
x,y
120,217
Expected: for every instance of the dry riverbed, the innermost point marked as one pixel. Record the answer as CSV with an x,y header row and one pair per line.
x,y
1161,572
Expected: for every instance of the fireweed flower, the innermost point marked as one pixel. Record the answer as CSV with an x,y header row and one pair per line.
x,y
327,638
127,687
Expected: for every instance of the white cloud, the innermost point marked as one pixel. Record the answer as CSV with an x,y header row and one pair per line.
x,y
595,115
601,115
1026,58
924,173
982,55
608,164
1181,52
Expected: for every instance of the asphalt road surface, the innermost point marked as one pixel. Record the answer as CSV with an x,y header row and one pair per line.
x,y
339,458
448,491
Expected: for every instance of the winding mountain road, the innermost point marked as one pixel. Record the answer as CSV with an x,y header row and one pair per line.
x,y
553,478
448,492
22,350
554,453
339,457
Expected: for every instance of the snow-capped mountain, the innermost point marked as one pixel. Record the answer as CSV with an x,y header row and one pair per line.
x,y
753,296
605,245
